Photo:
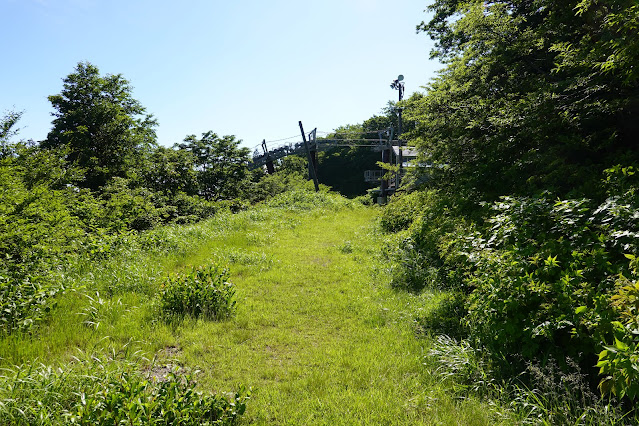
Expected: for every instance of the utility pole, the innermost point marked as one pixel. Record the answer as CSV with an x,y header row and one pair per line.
x,y
270,168
399,85
312,145
311,164
386,158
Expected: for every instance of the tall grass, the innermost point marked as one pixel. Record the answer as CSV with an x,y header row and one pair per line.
x,y
317,331
96,390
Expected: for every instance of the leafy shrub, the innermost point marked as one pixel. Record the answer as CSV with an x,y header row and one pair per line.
x,y
403,209
130,399
128,208
619,362
536,279
191,208
104,393
431,252
270,186
38,234
203,291
446,317
366,200
24,302
36,227
622,181
542,261
307,199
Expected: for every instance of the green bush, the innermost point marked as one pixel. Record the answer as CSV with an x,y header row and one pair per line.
x,y
37,228
107,394
192,208
545,274
534,281
201,292
366,200
431,253
403,209
131,399
128,208
24,302
446,317
38,235
619,361
269,186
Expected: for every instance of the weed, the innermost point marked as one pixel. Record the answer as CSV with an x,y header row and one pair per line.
x,y
99,309
237,256
99,391
460,365
346,247
203,291
25,302
302,199
551,396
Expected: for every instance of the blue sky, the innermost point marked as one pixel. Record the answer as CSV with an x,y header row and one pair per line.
x,y
247,68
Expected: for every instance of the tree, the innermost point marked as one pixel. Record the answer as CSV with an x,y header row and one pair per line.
x,y
170,171
343,168
7,131
221,165
103,126
536,95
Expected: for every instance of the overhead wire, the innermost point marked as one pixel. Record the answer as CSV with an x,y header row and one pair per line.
x,y
270,143
353,131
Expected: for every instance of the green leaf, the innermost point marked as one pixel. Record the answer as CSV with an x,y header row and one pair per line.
x,y
621,345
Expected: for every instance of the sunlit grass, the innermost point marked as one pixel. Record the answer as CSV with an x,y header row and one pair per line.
x,y
318,333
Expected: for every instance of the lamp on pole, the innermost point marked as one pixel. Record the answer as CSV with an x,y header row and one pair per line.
x,y
398,84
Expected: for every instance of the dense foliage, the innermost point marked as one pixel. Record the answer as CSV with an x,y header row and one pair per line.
x,y
528,219
219,161
536,95
107,393
97,118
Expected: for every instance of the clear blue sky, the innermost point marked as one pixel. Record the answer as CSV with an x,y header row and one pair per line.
x,y
246,67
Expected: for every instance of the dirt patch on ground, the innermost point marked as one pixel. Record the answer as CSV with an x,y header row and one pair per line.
x,y
165,364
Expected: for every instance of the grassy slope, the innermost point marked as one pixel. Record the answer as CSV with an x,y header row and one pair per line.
x,y
318,340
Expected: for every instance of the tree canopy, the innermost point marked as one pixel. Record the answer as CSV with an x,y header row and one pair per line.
x,y
536,94
218,161
104,127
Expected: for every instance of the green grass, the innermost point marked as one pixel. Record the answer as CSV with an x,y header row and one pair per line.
x,y
318,334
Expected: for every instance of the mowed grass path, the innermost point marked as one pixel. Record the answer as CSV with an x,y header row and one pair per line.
x,y
318,333
318,340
